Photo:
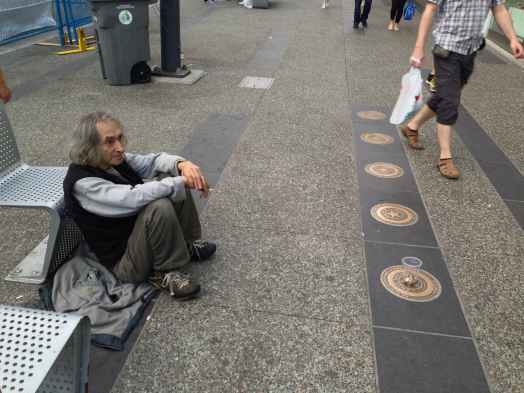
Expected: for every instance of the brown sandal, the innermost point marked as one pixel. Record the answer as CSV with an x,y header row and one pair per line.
x,y
412,137
447,168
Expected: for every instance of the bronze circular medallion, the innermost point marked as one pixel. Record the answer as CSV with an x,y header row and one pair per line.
x,y
415,285
394,214
384,170
376,138
371,115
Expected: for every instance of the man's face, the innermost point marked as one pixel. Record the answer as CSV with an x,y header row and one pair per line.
x,y
111,143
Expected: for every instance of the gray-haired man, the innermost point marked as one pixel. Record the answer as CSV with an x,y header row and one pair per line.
x,y
458,36
140,230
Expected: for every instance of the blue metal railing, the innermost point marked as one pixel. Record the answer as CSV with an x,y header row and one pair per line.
x,y
68,15
71,14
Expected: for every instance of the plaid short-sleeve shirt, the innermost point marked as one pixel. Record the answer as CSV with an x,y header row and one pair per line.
x,y
459,23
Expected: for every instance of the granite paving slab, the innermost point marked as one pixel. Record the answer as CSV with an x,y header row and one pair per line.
x,y
427,363
419,232
189,347
440,315
306,275
286,193
368,179
490,287
323,139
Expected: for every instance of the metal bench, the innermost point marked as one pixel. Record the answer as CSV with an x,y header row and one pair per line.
x,y
25,186
42,351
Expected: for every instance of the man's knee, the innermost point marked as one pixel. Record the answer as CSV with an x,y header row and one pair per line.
x,y
447,112
161,205
160,209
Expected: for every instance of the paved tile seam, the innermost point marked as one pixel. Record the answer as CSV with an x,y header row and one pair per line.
x,y
422,332
402,244
283,314
512,200
267,229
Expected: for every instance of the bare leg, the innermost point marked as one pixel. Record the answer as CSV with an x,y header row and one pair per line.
x,y
444,140
421,118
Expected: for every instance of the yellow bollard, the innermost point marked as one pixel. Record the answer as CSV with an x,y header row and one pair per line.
x,y
82,44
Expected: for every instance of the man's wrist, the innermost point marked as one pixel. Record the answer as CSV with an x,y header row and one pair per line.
x,y
180,166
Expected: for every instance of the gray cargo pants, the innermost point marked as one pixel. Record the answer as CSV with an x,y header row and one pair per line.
x,y
159,239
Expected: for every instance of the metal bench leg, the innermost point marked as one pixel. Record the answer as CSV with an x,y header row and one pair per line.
x,y
33,268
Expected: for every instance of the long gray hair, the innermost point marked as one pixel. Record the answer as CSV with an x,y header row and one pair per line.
x,y
85,149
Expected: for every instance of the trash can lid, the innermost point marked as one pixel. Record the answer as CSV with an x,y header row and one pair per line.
x,y
122,1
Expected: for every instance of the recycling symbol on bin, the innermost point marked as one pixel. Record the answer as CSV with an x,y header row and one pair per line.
x,y
125,17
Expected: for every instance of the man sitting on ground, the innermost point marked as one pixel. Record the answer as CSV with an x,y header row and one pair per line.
x,y
140,230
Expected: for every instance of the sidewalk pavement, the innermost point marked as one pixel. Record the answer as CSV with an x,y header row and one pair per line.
x,y
285,304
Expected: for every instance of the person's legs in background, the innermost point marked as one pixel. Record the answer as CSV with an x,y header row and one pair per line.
x,y
393,13
356,15
365,13
399,13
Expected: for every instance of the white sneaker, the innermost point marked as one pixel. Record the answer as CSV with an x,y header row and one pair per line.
x,y
325,4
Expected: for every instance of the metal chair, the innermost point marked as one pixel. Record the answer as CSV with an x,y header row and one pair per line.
x,y
24,186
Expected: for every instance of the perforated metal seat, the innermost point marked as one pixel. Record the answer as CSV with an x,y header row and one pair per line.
x,y
42,351
25,186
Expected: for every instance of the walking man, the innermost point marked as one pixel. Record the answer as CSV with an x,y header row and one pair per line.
x,y
458,37
141,231
361,16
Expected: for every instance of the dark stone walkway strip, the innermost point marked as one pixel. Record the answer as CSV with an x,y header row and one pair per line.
x,y
420,347
504,176
211,146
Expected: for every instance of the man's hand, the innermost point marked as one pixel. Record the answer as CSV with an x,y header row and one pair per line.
x,y
517,49
5,94
194,177
417,57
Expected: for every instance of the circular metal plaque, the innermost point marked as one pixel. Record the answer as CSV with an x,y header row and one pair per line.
x,y
371,115
376,138
384,170
415,285
394,214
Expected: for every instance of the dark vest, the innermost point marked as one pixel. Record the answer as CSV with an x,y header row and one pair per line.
x,y
106,236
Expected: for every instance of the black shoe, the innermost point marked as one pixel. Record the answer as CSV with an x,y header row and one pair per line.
x,y
355,25
180,285
364,24
201,250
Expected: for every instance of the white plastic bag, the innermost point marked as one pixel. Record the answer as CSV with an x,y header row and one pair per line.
x,y
410,98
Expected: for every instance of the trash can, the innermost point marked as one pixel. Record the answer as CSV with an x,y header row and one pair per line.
x,y
260,3
122,35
